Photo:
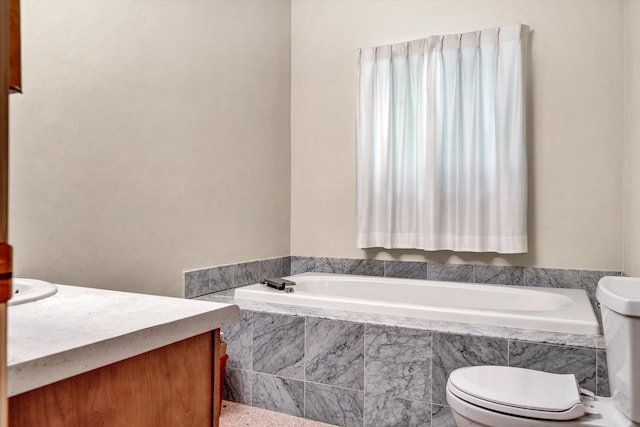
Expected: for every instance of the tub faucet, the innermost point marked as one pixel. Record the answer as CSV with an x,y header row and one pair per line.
x,y
279,284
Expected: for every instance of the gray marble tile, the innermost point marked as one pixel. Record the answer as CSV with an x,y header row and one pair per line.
x,y
551,278
271,268
441,416
246,273
556,338
239,339
334,405
278,344
221,278
589,280
364,267
451,352
498,275
278,394
237,386
385,411
196,283
450,272
225,297
286,265
329,265
556,359
398,362
406,270
602,375
226,293
302,264
335,352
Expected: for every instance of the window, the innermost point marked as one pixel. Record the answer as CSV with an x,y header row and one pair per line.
x,y
441,154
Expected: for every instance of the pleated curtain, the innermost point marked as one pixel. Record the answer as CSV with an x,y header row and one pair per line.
x,y
441,153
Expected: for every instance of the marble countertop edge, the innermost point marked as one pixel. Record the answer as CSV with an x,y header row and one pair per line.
x,y
29,375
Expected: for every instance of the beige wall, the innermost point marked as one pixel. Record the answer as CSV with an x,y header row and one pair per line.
x,y
153,137
574,121
632,139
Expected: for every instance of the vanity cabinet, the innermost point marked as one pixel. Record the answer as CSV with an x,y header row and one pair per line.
x,y
15,69
169,386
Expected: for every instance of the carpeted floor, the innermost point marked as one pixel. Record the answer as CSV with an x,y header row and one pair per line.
x,y
237,415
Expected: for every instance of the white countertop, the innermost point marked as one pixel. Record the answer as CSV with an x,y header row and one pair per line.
x,y
81,329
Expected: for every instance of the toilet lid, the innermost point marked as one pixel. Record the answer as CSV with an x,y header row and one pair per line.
x,y
518,391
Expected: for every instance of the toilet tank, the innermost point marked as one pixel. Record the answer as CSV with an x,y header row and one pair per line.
x,y
620,304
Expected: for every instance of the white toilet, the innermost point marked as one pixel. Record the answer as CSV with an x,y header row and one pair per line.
x,y
499,396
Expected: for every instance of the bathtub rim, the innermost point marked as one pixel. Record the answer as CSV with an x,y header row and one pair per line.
x,y
527,335
573,321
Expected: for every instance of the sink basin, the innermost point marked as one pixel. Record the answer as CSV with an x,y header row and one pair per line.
x,y
27,290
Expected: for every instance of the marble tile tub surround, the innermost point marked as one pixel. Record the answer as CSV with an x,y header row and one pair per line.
x,y
354,374
471,273
220,278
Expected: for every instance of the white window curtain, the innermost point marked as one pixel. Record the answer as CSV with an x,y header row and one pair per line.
x,y
441,155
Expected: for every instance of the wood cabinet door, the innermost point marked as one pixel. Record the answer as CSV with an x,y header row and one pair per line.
x,y
171,386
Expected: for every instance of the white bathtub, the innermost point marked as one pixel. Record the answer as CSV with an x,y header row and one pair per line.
x,y
544,309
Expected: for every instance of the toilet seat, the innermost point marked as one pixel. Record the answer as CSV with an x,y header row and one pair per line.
x,y
519,392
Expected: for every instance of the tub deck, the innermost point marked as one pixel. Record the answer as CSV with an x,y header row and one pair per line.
x,y
565,311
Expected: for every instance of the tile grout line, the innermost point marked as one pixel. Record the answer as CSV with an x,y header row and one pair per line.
x,y
433,352
251,376
304,373
431,380
596,372
364,374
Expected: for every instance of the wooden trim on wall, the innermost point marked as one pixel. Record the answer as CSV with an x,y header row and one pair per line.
x,y
4,396
4,121
15,61
215,380
5,249
5,285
